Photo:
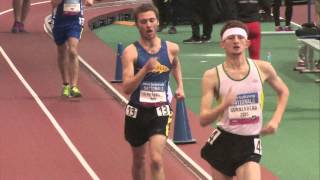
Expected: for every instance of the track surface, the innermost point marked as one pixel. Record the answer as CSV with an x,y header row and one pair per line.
x,y
31,147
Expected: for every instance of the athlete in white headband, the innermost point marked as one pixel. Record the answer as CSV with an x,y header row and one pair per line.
x,y
232,100
234,31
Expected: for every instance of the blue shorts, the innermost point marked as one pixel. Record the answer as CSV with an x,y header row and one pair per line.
x,y
62,32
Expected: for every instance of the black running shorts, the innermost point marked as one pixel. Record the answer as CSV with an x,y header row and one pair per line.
x,y
141,123
226,152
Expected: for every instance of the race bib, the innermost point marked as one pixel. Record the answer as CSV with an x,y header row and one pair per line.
x,y
163,110
215,134
257,146
131,111
245,110
152,92
71,7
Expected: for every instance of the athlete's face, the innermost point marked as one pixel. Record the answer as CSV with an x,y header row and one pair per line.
x,y
235,44
147,24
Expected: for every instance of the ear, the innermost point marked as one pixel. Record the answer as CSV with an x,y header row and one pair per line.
x,y
248,43
222,44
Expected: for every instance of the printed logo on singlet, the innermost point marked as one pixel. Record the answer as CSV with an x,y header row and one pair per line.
x,y
71,7
245,110
153,93
160,69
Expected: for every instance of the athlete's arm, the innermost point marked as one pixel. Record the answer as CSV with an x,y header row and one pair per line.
x,y
176,69
209,83
88,2
130,80
282,92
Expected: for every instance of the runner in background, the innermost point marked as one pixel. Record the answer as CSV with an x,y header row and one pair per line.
x,y
67,28
20,12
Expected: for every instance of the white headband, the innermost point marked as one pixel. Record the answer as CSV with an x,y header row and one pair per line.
x,y
234,31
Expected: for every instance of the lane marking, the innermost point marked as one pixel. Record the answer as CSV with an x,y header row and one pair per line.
x,y
192,78
203,55
32,4
54,122
196,169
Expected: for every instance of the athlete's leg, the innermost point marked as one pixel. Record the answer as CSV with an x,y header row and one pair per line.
x,y
288,13
74,61
25,10
16,4
217,175
138,163
249,171
63,63
156,146
317,10
276,12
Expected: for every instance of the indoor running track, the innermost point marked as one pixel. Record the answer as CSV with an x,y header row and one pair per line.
x,y
44,136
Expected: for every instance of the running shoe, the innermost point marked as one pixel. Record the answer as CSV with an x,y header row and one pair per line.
x,y
279,28
172,30
18,27
192,40
75,92
66,91
205,39
288,28
15,27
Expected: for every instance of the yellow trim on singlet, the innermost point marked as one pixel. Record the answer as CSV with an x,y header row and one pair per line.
x,y
168,124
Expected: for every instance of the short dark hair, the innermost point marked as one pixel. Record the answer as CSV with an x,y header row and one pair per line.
x,y
144,8
232,24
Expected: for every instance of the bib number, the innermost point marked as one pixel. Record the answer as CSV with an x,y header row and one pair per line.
x,y
257,146
153,92
131,111
163,110
214,135
71,7
245,110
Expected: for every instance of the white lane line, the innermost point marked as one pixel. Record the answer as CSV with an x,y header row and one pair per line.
x,y
192,78
61,132
202,55
190,163
33,4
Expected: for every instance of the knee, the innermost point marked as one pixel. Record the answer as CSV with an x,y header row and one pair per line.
x,y
156,162
73,52
139,161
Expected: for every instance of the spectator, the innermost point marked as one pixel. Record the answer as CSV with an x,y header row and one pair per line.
x,y
167,14
288,15
20,11
201,11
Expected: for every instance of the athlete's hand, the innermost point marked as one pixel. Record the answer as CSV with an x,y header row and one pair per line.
x,y
88,2
270,128
179,93
151,64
